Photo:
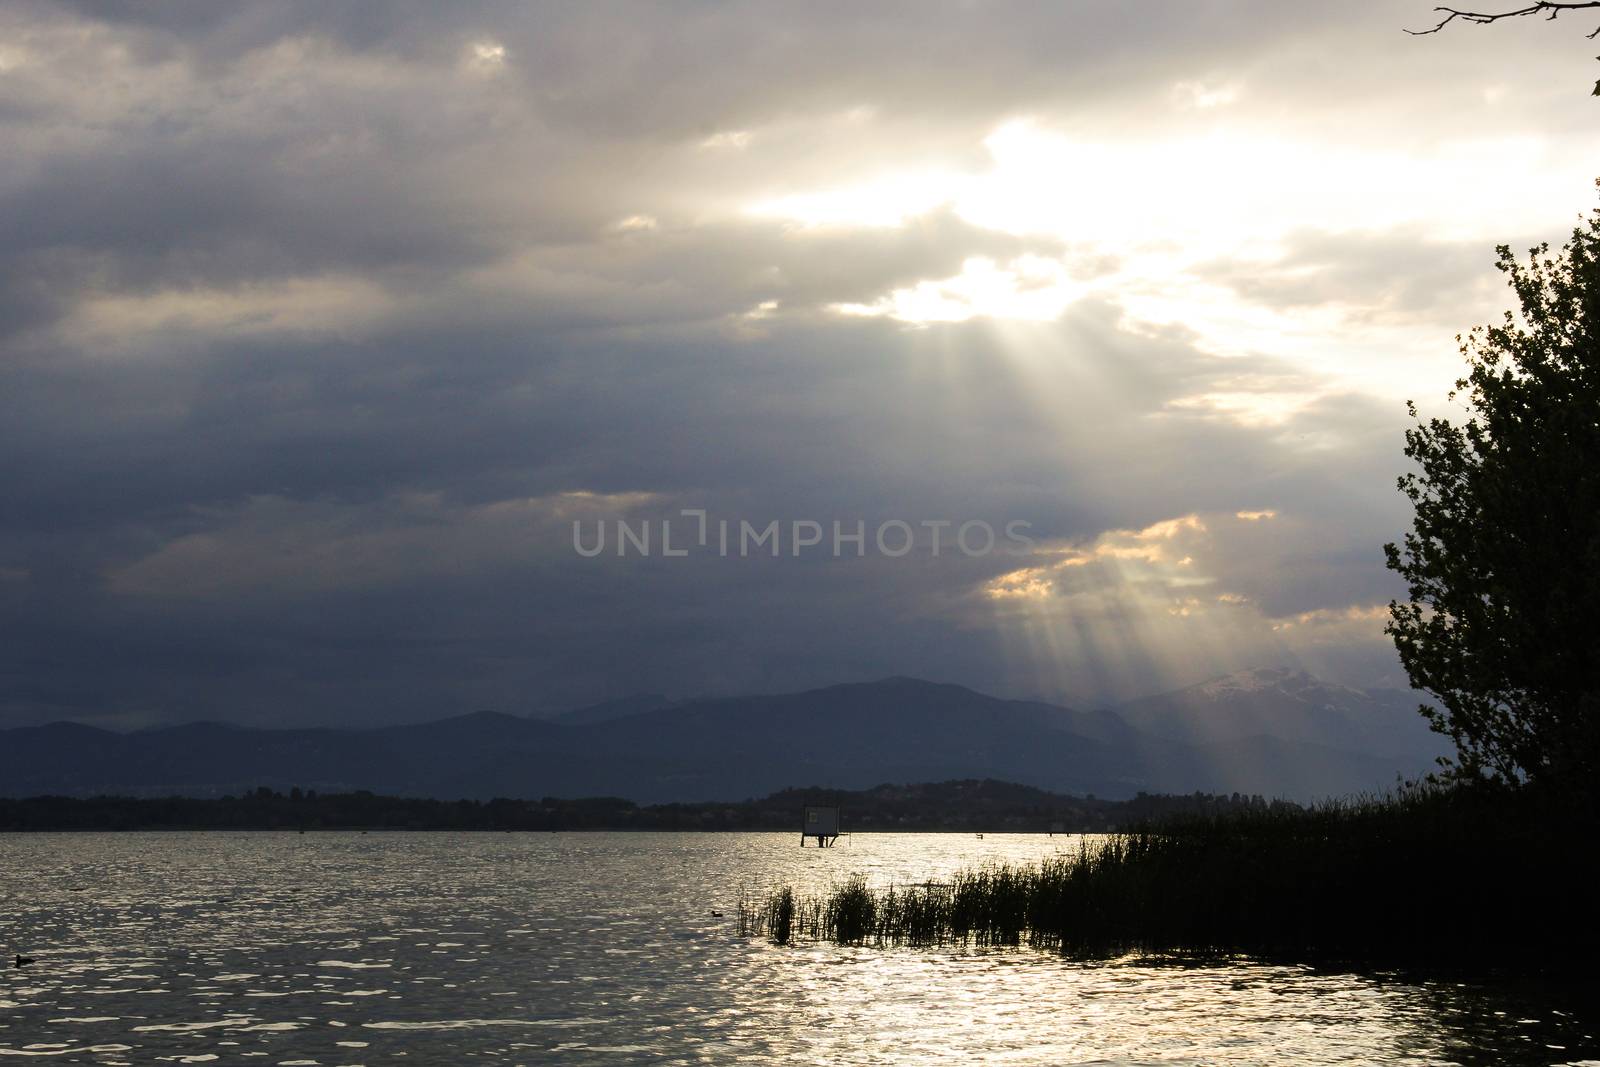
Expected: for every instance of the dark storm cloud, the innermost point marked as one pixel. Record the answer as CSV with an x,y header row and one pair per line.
x,y
412,536
316,321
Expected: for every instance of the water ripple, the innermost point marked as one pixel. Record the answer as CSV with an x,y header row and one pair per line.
x,y
337,949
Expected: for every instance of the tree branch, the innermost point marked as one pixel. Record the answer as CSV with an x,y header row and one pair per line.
x,y
1549,8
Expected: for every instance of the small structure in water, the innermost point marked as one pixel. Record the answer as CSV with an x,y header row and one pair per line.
x,y
820,823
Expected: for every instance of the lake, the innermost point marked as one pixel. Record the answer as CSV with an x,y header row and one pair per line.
x,y
442,948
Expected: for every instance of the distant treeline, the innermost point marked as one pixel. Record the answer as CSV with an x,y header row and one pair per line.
x,y
967,805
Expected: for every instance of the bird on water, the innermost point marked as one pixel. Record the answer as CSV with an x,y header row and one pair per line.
x,y
22,961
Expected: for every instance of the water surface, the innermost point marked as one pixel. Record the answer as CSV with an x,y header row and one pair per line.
x,y
438,948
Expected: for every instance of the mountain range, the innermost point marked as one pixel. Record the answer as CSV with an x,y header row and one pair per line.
x,y
1273,731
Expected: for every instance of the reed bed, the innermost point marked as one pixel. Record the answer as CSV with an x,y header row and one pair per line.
x,y
1426,874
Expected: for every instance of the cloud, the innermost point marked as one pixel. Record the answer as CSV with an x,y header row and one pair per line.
x,y
1187,595
1402,273
317,325
277,548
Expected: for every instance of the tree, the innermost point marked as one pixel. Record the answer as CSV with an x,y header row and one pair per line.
x,y
1550,9
1503,559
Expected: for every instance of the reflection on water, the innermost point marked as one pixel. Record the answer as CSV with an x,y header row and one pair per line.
x,y
341,948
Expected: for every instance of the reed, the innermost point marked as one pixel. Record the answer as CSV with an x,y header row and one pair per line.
x,y
1424,874
780,915
850,913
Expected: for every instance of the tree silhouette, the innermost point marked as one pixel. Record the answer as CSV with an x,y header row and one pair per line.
x,y
1503,560
1548,8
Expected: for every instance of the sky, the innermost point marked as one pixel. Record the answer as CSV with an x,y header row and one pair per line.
x,y
331,334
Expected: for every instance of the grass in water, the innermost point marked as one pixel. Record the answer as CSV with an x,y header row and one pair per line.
x,y
780,916
1441,876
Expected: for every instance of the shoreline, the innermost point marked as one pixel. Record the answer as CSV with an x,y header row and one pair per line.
x,y
959,806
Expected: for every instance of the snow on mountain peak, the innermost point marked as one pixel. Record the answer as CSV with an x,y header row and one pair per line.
x,y
1249,681
1292,682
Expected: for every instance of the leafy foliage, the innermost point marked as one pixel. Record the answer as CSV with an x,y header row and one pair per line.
x,y
1503,560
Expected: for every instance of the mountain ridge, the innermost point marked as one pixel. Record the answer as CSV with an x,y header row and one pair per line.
x,y
1275,732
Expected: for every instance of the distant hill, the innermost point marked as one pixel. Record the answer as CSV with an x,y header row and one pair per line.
x,y
607,710
1262,733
